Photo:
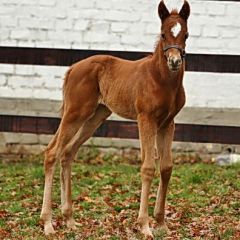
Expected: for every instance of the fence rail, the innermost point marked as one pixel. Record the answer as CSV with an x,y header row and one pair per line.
x,y
65,57
118,129
123,129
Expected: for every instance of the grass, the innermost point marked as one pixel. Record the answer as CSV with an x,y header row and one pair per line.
x,y
203,199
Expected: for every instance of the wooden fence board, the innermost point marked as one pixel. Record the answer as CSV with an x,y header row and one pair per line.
x,y
123,129
65,57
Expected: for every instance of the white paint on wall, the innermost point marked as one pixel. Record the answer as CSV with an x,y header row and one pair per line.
x,y
213,90
214,27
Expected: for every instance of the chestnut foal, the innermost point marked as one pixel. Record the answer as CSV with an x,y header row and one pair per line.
x,y
149,90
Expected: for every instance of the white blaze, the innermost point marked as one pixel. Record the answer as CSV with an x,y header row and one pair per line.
x,y
176,29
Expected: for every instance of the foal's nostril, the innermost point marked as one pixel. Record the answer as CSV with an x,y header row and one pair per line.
x,y
175,62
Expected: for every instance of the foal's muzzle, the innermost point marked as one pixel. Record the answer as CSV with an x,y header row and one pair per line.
x,y
174,61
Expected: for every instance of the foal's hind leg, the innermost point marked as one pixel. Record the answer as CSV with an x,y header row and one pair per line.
x,y
49,167
70,151
72,120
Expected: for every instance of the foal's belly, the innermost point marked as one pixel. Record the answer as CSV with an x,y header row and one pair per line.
x,y
123,109
124,112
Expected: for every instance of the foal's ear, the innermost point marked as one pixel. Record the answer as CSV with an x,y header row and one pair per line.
x,y
185,11
163,11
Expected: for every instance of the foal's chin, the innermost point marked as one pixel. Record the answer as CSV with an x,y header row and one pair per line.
x,y
173,69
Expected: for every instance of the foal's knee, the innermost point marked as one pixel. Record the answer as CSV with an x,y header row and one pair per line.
x,y
66,158
147,173
50,159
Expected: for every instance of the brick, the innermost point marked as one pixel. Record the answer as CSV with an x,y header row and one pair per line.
x,y
24,81
47,2
49,72
8,42
36,23
117,46
60,44
79,45
8,21
44,44
10,2
210,32
20,34
223,22
63,37
89,4
125,5
74,13
121,16
100,26
137,28
216,8
54,83
99,37
27,2
99,46
198,8
104,4
24,70
64,24
230,32
6,10
27,43
47,94
5,33
81,25
92,14
152,28
149,17
7,68
119,27
23,93
232,9
38,35
3,80
6,91
209,43
129,39
195,30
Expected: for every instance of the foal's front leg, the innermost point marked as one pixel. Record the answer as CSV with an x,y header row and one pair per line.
x,y
147,131
164,145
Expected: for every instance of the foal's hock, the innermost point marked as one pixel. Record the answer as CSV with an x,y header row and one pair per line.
x,y
149,90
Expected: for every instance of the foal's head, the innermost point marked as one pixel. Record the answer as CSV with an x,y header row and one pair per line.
x,y
174,33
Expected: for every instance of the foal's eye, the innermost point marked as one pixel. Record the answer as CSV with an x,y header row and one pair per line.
x,y
186,36
163,36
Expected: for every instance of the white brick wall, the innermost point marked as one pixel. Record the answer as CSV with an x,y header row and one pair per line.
x,y
120,25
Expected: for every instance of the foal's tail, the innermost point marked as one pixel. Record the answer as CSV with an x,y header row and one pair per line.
x,y
64,86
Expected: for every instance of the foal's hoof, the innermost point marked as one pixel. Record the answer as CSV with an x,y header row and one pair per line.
x,y
147,233
164,229
48,229
71,224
